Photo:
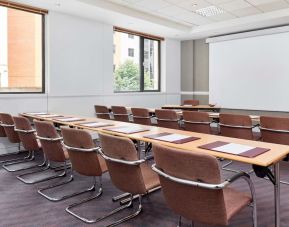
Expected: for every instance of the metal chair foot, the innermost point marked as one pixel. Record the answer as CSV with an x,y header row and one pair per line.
x,y
20,177
119,197
125,201
86,220
137,212
32,158
17,160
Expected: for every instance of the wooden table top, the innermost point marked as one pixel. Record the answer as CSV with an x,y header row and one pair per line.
x,y
198,107
179,112
275,154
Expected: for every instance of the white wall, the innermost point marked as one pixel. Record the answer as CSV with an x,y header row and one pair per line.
x,y
80,71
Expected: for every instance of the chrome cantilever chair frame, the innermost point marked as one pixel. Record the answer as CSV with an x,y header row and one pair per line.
x,y
224,167
30,156
55,199
138,162
92,188
226,183
15,160
47,166
279,131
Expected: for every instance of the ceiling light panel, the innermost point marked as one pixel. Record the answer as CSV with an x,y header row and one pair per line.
x,y
209,11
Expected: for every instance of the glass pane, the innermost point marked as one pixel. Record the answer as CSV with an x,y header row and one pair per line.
x,y
126,62
20,51
151,64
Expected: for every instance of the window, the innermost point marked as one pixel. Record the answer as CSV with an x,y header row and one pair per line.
x,y
130,36
21,51
130,52
136,63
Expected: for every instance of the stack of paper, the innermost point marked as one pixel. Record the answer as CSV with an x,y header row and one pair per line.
x,y
69,119
128,129
95,124
37,113
233,148
50,115
172,137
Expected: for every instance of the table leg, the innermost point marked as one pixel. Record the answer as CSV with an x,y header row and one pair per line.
x,y
277,194
138,148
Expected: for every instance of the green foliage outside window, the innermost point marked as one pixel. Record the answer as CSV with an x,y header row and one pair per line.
x,y
127,77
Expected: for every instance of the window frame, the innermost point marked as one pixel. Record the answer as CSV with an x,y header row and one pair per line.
x,y
141,64
43,90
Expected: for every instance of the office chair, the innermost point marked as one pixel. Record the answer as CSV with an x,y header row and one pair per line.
x,y
86,161
120,113
167,119
197,122
192,187
127,172
102,112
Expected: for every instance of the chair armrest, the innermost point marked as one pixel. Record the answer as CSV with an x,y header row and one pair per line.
x,y
24,131
80,149
49,139
222,185
237,176
134,163
6,125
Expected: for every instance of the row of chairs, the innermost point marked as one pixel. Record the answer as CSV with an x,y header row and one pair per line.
x,y
273,129
190,181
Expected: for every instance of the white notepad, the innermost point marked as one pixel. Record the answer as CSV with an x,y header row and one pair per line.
x,y
172,137
38,113
128,129
69,119
95,124
50,115
233,148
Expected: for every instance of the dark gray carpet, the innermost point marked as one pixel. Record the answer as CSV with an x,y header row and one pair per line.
x,y
21,205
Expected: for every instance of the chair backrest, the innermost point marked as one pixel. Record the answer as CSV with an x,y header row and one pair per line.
x,y
194,203
275,129
192,102
50,141
141,116
127,178
167,119
102,112
26,133
2,131
120,113
8,124
82,152
237,126
197,121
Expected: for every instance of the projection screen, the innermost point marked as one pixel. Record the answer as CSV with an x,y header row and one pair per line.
x,y
251,73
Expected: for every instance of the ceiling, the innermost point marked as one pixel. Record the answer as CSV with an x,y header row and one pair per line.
x,y
179,19
184,11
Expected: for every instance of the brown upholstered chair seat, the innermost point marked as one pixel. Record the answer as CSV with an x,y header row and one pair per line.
x,y
151,179
235,201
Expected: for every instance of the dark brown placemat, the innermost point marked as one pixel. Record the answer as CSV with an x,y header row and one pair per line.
x,y
186,140
96,126
133,129
248,154
63,119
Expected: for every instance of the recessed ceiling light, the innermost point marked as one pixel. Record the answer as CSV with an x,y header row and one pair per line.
x,y
209,11
195,5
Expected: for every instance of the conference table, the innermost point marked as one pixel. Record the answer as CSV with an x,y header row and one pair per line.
x,y
272,157
212,115
193,108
